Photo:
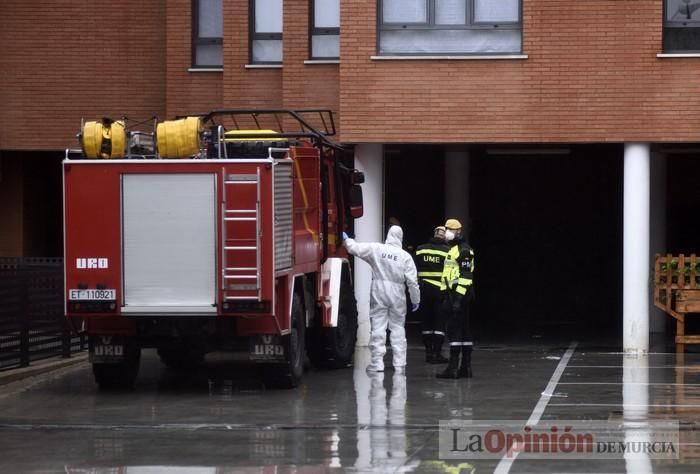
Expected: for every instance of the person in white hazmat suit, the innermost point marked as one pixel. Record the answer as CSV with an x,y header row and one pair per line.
x,y
392,270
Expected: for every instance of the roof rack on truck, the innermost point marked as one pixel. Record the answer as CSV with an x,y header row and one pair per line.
x,y
222,134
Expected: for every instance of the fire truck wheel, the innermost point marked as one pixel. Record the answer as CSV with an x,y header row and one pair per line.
x,y
120,375
333,348
289,374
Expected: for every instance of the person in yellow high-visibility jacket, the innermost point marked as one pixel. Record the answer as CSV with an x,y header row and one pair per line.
x,y
457,278
430,261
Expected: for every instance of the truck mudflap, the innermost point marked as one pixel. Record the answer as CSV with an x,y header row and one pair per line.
x,y
107,349
266,348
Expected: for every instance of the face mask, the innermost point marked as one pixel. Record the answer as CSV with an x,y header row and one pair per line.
x,y
449,235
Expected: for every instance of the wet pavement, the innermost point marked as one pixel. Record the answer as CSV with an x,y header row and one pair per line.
x,y
221,419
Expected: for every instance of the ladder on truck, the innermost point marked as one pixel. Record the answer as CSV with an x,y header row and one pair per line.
x,y
241,259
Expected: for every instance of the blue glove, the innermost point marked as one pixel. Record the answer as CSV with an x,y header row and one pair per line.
x,y
414,307
345,236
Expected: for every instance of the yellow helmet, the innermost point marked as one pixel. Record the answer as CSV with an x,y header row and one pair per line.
x,y
453,224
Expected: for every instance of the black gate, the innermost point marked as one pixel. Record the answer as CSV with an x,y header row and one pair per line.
x,y
32,324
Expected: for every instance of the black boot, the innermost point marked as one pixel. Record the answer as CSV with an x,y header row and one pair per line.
x,y
428,341
438,358
452,369
465,370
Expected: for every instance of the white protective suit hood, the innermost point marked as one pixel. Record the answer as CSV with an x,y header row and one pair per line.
x,y
395,236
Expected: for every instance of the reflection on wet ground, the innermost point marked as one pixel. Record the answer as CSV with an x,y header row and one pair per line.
x,y
220,418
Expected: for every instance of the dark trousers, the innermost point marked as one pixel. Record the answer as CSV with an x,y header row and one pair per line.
x,y
458,327
431,310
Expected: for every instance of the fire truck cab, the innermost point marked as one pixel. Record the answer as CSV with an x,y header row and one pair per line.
x,y
215,232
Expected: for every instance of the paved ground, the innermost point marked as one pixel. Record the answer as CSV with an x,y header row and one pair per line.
x,y
218,420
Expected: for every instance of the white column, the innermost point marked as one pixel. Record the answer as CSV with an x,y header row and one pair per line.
x,y
635,261
368,228
657,319
457,185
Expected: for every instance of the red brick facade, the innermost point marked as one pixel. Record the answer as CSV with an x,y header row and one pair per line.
x,y
591,75
61,60
185,92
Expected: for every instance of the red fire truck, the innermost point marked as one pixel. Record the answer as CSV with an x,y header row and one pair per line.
x,y
215,232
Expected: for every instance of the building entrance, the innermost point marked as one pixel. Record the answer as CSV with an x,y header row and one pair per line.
x,y
546,226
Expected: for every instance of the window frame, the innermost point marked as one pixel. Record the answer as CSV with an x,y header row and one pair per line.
x,y
430,25
204,40
471,15
320,31
692,23
254,35
402,24
668,24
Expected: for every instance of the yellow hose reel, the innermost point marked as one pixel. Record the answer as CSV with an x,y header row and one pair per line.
x,y
104,139
178,138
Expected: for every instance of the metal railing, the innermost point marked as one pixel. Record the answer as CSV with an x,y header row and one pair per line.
x,y
32,324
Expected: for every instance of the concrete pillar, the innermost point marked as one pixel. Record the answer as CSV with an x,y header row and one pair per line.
x,y
368,159
635,261
657,321
457,185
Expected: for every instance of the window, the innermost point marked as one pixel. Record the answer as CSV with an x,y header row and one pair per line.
x,y
325,29
681,26
266,31
434,27
207,33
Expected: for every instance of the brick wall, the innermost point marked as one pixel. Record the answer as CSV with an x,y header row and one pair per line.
x,y
591,75
187,92
305,85
61,60
296,85
243,87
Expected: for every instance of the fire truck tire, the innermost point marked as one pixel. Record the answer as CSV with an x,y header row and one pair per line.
x,y
290,374
120,375
333,348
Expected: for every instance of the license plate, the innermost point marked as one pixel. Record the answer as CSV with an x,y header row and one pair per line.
x,y
92,295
